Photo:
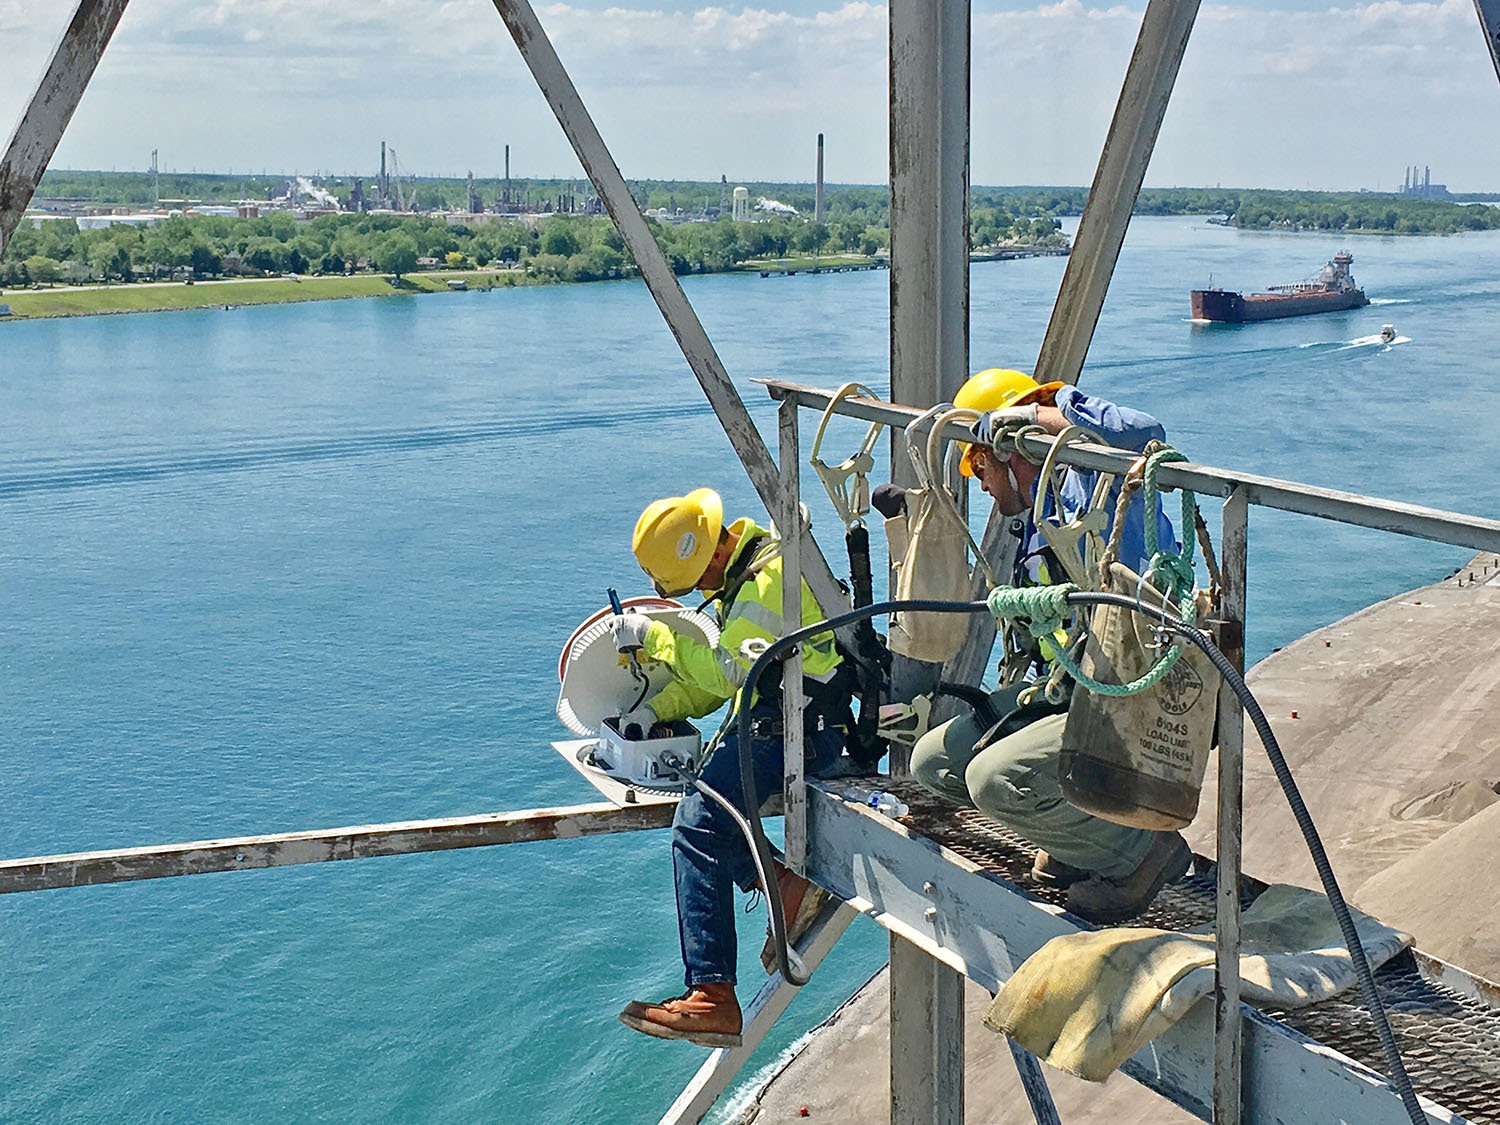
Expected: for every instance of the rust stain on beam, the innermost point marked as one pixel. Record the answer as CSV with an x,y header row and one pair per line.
x,y
82,869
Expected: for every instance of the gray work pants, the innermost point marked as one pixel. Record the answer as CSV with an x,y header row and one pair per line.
x,y
1015,782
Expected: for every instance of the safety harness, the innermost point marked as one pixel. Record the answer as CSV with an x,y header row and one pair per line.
x,y
868,658
830,700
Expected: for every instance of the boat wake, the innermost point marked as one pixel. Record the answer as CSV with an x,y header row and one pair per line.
x,y
51,475
1375,341
1196,357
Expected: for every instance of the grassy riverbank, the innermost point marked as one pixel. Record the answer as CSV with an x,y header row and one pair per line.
x,y
92,301
96,300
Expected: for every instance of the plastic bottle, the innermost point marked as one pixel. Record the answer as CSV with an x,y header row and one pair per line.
x,y
886,804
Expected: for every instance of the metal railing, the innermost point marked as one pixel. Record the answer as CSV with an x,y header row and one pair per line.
x,y
1239,490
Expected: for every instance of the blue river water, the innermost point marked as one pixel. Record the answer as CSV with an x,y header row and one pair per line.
x,y
310,565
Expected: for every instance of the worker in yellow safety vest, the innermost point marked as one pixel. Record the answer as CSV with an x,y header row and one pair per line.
x,y
1009,770
683,544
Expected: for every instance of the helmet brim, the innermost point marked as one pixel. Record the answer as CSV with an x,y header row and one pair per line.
x,y
1044,393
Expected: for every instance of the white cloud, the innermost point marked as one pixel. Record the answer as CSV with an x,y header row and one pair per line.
x,y
1336,97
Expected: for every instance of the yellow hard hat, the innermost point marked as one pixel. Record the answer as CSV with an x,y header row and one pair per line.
x,y
675,539
995,388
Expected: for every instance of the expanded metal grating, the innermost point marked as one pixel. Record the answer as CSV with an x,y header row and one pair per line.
x,y
1451,1043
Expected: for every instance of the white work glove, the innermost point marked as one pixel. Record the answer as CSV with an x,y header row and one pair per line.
x,y
629,631
997,423
636,725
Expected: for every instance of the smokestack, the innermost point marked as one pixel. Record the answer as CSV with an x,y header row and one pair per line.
x,y
818,198
1426,178
507,173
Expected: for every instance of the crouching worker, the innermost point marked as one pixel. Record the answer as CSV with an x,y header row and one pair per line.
x,y
1010,772
683,544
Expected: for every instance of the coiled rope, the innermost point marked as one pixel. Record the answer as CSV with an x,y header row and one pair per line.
x,y
1045,608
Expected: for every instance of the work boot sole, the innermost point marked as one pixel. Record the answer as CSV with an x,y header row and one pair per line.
x,y
1173,870
701,1038
808,910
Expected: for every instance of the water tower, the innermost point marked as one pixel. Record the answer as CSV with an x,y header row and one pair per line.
x,y
741,205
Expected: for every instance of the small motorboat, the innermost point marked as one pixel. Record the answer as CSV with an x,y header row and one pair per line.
x,y
1387,333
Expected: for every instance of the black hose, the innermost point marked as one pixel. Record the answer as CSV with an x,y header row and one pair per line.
x,y
871,673
1399,1079
772,655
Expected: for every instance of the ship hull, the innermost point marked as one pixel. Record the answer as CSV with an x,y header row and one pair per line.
x,y
1225,307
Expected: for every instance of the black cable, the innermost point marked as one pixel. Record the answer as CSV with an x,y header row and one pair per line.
x,y
772,655
637,674
1398,1076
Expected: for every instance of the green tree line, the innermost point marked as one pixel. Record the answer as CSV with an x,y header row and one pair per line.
x,y
558,248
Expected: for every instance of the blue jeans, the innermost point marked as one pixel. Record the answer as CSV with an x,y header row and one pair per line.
x,y
710,856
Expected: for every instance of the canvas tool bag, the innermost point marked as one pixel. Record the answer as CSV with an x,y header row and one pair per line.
x,y
929,544
1138,760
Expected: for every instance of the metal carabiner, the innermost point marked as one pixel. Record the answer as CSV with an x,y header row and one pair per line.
x,y
1078,543
847,483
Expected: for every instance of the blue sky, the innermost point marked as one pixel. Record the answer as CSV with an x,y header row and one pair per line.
x,y
1277,93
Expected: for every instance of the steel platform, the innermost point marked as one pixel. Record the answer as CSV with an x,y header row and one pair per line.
x,y
957,883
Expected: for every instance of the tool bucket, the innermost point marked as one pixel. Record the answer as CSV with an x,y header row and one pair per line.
x,y
1138,760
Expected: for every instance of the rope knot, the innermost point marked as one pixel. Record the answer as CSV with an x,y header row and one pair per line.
x,y
1043,608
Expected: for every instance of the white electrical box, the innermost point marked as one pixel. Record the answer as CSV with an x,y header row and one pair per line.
x,y
647,760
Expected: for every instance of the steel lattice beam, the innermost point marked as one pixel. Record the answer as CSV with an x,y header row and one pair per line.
x,y
1489,21
562,96
1117,182
51,108
283,849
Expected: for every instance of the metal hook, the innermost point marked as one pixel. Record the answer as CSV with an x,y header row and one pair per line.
x,y
847,483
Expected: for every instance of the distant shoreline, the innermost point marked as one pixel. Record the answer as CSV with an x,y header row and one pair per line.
x,y
64,301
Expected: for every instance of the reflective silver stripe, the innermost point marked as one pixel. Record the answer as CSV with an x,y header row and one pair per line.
x,y
760,616
729,664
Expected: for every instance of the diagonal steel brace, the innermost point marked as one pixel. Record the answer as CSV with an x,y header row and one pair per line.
x,y
557,87
51,108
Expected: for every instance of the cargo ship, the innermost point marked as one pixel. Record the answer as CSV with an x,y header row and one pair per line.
x,y
1332,290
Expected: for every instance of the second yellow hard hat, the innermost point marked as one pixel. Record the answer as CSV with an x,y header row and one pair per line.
x,y
995,388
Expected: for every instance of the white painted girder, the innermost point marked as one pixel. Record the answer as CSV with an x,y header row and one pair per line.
x,y
566,104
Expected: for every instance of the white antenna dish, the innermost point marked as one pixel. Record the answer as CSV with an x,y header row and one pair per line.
x,y
598,684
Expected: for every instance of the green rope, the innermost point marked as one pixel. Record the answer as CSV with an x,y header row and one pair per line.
x,y
1172,572
1045,608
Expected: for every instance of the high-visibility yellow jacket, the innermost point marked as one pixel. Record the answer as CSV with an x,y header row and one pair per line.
x,y
705,677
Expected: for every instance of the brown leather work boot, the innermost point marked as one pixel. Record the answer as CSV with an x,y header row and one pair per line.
x,y
802,902
1050,872
706,1014
1109,901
